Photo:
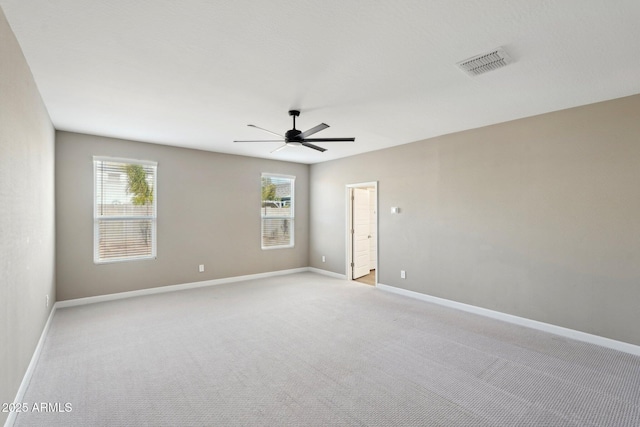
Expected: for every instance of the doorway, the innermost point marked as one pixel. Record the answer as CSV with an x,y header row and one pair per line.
x,y
362,232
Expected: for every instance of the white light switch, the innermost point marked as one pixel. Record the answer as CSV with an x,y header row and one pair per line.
x,y
395,210
201,268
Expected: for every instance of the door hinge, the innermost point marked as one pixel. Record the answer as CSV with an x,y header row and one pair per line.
x,y
352,265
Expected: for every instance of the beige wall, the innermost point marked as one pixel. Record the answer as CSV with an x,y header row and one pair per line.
x,y
538,217
26,215
208,213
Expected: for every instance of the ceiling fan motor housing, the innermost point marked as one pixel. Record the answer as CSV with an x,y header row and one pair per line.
x,y
292,135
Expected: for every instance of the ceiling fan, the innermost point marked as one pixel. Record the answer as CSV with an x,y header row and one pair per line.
x,y
297,137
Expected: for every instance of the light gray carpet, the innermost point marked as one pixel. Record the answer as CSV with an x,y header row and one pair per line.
x,y
307,350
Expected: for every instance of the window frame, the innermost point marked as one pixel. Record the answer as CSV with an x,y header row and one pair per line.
x,y
291,216
97,219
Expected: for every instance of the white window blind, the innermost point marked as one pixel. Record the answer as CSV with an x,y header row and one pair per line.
x,y
125,212
277,211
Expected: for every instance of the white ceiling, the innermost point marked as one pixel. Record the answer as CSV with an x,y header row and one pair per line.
x,y
194,73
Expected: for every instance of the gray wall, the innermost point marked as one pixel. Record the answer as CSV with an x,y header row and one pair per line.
x,y
208,213
537,217
26,215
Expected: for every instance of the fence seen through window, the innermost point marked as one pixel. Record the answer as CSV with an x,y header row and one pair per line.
x,y
124,209
277,211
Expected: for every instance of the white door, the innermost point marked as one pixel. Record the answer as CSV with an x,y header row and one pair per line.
x,y
361,236
373,233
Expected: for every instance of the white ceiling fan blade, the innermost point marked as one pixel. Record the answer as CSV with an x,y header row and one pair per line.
x,y
268,131
279,148
262,140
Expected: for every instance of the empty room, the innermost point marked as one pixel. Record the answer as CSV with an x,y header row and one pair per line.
x,y
319,213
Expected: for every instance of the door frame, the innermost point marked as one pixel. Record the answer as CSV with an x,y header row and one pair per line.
x,y
349,227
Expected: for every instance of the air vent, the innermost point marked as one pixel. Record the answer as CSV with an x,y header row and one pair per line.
x,y
489,61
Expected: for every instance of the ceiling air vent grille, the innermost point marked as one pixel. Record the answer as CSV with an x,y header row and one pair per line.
x,y
489,61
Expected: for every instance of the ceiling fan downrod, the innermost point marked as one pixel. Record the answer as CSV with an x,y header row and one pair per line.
x,y
291,136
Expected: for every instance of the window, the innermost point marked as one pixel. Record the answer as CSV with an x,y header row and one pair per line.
x,y
277,211
124,209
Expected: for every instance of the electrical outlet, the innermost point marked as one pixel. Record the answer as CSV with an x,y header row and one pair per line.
x,y
201,268
403,274
324,259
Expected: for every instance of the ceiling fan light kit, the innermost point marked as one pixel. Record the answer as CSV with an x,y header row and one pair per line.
x,y
296,137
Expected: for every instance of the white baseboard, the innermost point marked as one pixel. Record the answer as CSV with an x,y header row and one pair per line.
x,y
522,321
546,327
173,288
26,379
327,273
